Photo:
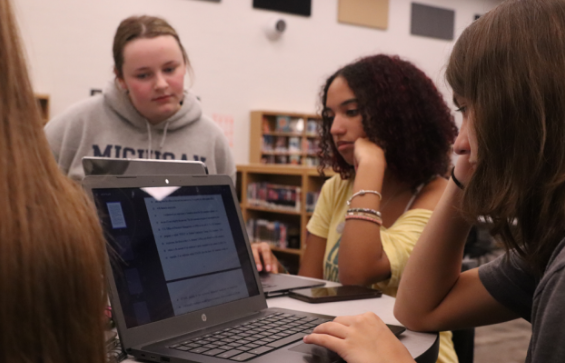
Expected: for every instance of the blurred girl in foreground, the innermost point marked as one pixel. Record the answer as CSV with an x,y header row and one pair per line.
x,y
52,279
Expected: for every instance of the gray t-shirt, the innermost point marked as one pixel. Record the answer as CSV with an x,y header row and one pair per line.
x,y
541,302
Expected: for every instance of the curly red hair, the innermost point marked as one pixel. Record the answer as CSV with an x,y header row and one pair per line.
x,y
403,113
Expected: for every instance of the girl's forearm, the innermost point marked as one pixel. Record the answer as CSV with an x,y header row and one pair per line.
x,y
361,257
435,264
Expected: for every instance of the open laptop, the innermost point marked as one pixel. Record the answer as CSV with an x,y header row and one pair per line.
x,y
183,284
94,165
281,284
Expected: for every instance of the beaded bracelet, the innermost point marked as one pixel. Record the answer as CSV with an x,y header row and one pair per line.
x,y
365,210
457,182
363,192
368,219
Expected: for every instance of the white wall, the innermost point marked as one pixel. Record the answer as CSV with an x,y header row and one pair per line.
x,y
237,67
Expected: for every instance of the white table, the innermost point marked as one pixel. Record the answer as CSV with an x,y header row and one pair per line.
x,y
420,345
423,346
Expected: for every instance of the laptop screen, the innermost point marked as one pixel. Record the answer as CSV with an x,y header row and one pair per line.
x,y
174,250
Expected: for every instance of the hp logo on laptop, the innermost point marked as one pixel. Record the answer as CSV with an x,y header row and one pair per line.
x,y
204,318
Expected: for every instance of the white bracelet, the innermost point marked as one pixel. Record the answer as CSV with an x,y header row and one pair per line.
x,y
363,192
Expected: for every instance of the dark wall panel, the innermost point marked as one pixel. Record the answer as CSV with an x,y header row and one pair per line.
x,y
297,7
433,22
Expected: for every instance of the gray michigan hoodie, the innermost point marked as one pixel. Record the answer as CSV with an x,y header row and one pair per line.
x,y
108,125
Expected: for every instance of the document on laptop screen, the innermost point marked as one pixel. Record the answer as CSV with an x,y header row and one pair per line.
x,y
197,251
180,253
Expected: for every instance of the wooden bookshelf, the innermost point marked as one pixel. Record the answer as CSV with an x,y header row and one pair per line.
x,y
308,179
302,129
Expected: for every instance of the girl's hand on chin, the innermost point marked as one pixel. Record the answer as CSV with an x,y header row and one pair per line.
x,y
367,152
464,169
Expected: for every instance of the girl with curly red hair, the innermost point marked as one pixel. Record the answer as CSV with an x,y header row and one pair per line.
x,y
387,132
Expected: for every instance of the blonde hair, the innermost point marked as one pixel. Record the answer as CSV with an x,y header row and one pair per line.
x,y
52,276
144,26
510,67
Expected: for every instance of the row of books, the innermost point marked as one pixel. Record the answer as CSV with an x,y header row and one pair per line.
x,y
291,143
311,161
312,146
311,200
290,125
281,159
290,160
281,144
285,144
276,233
276,196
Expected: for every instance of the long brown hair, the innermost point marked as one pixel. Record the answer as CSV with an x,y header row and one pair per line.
x,y
52,278
144,26
510,67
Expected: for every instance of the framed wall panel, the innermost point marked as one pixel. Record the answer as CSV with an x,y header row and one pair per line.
x,y
371,13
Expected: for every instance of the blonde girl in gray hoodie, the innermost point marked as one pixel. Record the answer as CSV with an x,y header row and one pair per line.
x,y
145,112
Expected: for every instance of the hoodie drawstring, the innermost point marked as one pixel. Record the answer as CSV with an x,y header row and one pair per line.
x,y
161,144
164,136
149,146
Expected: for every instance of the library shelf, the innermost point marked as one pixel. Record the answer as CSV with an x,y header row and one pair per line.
x,y
283,138
307,179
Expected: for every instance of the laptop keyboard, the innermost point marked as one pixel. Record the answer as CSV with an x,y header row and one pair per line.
x,y
253,338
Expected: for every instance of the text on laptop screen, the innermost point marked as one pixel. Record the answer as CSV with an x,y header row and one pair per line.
x,y
174,250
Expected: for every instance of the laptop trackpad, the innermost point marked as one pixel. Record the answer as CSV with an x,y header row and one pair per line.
x,y
319,354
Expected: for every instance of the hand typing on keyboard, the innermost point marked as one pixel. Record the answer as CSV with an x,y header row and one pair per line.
x,y
360,339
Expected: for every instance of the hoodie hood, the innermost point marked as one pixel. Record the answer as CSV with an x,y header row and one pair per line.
x,y
118,100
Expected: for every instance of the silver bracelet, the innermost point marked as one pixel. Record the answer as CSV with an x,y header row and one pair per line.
x,y
363,192
365,210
